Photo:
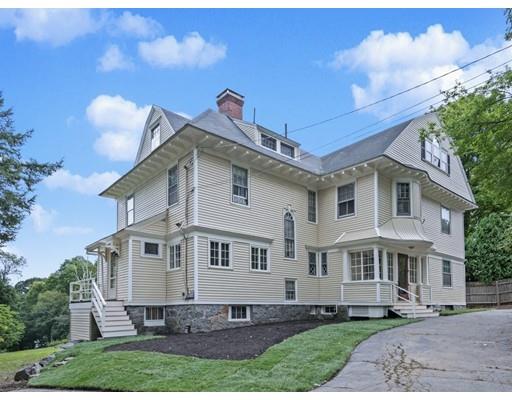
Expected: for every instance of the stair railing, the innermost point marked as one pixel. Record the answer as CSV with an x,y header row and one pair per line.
x,y
99,304
408,300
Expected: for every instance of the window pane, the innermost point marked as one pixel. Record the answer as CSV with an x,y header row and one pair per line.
x,y
172,185
263,259
290,293
323,260
224,254
268,142
311,206
390,266
445,220
312,263
346,200
214,253
240,186
287,150
155,137
368,265
447,273
172,260
151,248
403,199
289,236
355,266
413,270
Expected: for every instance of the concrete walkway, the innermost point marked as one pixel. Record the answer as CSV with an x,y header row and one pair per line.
x,y
467,352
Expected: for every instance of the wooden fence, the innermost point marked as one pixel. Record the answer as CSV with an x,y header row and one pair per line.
x,y
493,294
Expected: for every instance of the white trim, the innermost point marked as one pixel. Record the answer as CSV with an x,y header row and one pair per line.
x,y
259,247
176,164
346,269
174,243
376,201
247,311
196,269
196,186
130,269
296,290
412,204
316,206
239,165
154,322
322,310
143,245
149,302
292,213
230,266
338,218
376,264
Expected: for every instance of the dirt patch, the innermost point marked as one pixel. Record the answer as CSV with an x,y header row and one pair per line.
x,y
227,344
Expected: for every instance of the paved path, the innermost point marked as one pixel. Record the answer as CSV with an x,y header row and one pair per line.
x,y
467,352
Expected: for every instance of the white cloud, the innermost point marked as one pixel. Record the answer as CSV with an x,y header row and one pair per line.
x,y
90,185
137,25
42,219
114,59
120,122
72,230
192,52
392,62
55,26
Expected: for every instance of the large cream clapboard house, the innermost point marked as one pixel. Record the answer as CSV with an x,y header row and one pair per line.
x,y
222,223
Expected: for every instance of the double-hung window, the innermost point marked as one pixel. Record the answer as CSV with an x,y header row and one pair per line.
x,y
312,270
155,137
172,186
311,206
130,210
446,219
269,142
287,150
324,270
403,199
346,200
413,269
290,289
362,266
390,266
240,177
259,258
175,256
289,235
220,254
447,273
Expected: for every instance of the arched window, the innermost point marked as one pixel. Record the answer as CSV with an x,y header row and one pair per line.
x,y
289,235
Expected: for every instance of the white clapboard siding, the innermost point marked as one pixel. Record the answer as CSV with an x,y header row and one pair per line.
x,y
443,295
175,279
331,227
452,244
80,320
176,212
165,132
122,272
148,276
385,199
406,148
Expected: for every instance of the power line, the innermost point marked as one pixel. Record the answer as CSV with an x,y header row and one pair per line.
x,y
344,114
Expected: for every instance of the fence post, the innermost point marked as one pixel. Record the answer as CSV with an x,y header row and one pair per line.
x,y
497,294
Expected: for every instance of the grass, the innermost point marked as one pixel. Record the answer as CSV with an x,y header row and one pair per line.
x,y
12,361
446,313
297,364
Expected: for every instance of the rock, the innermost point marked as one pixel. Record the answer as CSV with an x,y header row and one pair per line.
x,y
69,359
47,360
26,373
58,364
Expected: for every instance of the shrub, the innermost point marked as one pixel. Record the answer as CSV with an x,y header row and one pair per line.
x,y
11,328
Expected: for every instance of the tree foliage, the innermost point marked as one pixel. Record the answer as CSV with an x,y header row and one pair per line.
x,y
487,252
11,328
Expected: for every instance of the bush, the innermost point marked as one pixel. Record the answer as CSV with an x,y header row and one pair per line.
x,y
488,249
11,328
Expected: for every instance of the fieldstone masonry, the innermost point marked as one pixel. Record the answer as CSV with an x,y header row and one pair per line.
x,y
189,318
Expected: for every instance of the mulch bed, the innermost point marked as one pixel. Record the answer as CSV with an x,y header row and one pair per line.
x,y
227,344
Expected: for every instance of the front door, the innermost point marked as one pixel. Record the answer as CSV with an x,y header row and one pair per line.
x,y
403,275
112,276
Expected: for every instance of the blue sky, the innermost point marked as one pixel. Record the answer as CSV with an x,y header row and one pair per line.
x,y
83,80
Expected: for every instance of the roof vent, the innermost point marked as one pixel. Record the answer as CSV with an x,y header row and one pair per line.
x,y
231,103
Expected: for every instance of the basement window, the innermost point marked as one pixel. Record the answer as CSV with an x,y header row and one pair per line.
x,y
239,313
154,316
329,310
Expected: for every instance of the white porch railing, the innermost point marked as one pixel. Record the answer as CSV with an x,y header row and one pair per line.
x,y
407,300
87,291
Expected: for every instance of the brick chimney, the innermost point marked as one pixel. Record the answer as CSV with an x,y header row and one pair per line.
x,y
231,103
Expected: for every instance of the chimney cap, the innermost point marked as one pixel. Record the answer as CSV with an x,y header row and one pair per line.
x,y
227,92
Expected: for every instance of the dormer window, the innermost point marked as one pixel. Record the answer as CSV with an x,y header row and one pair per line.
x,y
287,150
433,153
155,137
268,142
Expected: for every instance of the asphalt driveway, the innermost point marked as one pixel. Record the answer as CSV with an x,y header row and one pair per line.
x,y
467,352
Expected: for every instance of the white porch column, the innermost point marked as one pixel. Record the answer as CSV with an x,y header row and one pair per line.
x,y
376,275
385,269
346,269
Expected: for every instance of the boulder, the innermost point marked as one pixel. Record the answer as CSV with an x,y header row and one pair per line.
x,y
26,373
47,360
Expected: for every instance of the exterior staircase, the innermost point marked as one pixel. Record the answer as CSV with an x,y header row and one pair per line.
x,y
113,320
409,310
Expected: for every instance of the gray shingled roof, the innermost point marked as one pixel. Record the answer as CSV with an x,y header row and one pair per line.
x,y
177,121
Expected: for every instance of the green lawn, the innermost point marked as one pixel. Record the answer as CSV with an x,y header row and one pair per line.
x,y
446,313
13,361
296,364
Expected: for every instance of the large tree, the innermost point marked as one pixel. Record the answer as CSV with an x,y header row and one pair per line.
x,y
18,178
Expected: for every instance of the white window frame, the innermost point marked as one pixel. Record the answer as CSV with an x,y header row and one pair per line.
x,y
154,322
281,143
391,267
259,247
318,260
143,248
247,313
177,186
321,272
424,270
435,145
294,236
248,205
315,258
128,210
354,214
449,220
316,206
324,312
174,244
394,197
153,136
220,241
417,270
444,273
296,286
360,251
269,137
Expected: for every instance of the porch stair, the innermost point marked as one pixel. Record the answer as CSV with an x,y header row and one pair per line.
x,y
113,320
408,310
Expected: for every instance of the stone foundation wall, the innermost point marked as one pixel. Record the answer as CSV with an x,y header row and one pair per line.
x,y
208,317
